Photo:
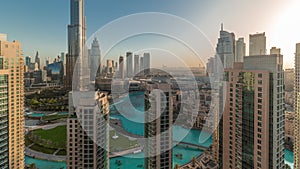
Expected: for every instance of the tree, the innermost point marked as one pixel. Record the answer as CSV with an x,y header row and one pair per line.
x,y
176,166
194,161
32,166
286,166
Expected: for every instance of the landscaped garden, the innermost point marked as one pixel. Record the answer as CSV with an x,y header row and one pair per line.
x,y
53,140
47,100
48,141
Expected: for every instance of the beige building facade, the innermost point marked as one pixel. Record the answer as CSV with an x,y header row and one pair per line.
x,y
12,65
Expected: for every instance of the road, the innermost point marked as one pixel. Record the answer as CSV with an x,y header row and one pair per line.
x,y
39,155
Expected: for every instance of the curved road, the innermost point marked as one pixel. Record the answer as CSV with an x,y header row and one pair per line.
x,y
39,155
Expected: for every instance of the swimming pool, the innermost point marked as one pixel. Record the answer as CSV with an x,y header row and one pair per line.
x,y
133,123
44,164
36,115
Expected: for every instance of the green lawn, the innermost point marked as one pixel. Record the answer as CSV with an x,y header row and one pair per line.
x,y
56,136
121,143
42,149
61,152
54,117
27,141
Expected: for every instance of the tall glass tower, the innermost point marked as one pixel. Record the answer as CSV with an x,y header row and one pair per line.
x,y
77,58
88,122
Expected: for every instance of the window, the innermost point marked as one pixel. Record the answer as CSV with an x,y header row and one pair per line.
x,y
260,75
260,89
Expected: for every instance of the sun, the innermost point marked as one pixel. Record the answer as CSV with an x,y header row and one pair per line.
x,y
285,31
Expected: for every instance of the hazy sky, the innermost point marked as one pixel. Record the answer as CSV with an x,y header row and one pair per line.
x,y
42,24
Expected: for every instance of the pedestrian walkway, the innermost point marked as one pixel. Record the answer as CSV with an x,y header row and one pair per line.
x,y
40,155
31,145
56,151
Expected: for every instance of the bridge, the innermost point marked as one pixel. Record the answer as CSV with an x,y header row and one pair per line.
x,y
125,152
190,145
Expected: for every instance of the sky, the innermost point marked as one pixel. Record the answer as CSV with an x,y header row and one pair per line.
x,y
42,25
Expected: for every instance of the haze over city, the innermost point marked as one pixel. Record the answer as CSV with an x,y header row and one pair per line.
x,y
150,84
44,22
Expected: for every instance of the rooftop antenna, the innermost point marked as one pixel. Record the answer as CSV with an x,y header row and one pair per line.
x,y
221,26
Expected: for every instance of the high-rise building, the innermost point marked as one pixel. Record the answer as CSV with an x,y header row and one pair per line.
x,y
76,46
257,44
88,131
274,50
38,60
240,50
121,67
158,126
129,65
62,57
87,124
146,63
136,64
47,61
12,104
297,108
55,72
3,37
27,60
142,65
289,79
116,66
210,66
109,66
226,48
94,59
253,118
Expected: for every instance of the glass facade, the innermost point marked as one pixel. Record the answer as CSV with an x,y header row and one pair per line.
x,y
3,121
247,120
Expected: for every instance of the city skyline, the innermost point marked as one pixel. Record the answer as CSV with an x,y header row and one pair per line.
x,y
154,85
208,17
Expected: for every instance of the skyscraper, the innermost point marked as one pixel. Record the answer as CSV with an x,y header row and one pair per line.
x,y
27,60
38,60
12,104
121,67
87,124
257,44
297,108
88,131
274,50
94,59
109,66
253,119
129,65
47,61
240,50
226,48
136,64
76,44
62,57
158,126
146,63
142,65
210,66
